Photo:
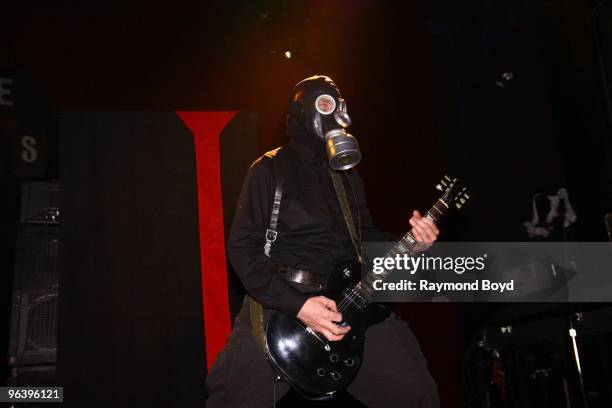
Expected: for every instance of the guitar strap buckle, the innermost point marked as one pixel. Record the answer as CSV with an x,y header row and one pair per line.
x,y
271,235
271,232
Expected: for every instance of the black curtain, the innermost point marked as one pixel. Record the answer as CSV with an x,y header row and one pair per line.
x,y
130,328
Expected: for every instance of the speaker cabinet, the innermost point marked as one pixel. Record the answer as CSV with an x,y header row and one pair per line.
x,y
33,332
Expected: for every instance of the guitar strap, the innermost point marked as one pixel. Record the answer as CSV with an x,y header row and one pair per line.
x,y
256,310
257,325
347,213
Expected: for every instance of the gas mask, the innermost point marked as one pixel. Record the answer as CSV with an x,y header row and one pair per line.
x,y
316,103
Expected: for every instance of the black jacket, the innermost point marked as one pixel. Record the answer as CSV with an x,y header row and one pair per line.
x,y
312,233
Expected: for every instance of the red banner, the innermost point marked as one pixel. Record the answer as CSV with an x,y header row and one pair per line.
x,y
206,128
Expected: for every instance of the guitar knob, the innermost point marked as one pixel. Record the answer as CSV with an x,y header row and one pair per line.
x,y
334,358
349,362
320,372
336,375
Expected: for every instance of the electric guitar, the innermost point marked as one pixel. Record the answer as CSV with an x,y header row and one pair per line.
x,y
316,367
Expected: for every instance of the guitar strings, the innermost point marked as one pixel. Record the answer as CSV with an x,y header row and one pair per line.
x,y
345,301
348,299
352,295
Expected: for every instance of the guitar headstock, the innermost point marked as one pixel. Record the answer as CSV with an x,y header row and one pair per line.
x,y
453,192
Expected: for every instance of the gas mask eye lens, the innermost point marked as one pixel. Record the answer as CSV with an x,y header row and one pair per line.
x,y
325,104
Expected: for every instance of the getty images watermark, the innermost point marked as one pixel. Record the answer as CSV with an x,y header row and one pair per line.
x,y
497,272
385,266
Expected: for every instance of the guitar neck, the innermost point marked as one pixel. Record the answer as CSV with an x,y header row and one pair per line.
x,y
407,245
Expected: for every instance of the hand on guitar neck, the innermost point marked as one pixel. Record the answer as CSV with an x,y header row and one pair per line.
x,y
424,230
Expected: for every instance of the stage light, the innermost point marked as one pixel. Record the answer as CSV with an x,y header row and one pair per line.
x,y
288,54
505,79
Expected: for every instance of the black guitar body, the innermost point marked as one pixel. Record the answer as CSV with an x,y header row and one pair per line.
x,y
311,364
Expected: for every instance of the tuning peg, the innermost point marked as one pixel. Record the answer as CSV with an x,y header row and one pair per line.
x,y
458,205
466,196
447,178
462,200
439,187
443,183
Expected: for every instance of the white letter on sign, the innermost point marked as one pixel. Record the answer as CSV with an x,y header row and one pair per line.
x,y
5,92
30,154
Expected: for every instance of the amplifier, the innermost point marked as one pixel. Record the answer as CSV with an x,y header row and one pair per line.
x,y
33,333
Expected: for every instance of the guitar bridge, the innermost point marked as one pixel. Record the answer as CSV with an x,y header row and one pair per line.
x,y
314,334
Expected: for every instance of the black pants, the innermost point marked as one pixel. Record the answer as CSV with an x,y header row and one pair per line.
x,y
393,373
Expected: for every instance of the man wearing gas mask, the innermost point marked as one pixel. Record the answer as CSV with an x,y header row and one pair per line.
x,y
281,266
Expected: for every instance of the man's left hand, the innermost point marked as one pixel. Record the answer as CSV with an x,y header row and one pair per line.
x,y
424,230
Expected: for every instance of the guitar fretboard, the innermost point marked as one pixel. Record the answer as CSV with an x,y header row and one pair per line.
x,y
407,245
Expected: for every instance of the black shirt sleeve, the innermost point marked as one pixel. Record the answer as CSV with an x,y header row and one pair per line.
x,y
247,239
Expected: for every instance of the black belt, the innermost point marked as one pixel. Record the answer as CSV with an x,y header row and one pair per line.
x,y
301,276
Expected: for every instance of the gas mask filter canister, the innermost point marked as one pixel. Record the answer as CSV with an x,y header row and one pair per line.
x,y
341,147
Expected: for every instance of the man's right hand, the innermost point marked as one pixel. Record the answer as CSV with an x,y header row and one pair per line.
x,y
320,314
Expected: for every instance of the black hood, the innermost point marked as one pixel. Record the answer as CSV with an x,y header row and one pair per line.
x,y
303,119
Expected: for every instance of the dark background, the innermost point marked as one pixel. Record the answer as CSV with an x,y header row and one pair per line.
x,y
420,82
